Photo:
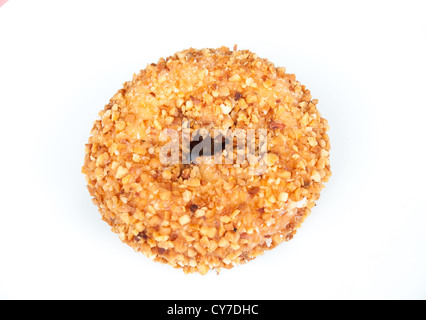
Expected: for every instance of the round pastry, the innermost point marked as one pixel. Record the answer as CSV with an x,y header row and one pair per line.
x,y
203,215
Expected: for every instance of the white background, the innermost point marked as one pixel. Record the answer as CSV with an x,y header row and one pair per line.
x,y
61,61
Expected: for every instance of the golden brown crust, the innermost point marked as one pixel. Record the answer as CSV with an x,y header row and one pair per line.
x,y
206,216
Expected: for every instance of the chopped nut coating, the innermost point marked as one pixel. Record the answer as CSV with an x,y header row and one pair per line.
x,y
203,216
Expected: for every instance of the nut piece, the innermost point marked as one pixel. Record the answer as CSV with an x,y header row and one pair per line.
x,y
316,176
225,109
121,172
194,182
184,219
283,196
271,159
209,232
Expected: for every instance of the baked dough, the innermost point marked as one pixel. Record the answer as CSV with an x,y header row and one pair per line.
x,y
203,216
